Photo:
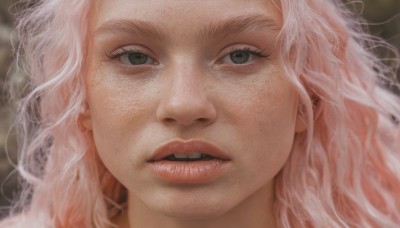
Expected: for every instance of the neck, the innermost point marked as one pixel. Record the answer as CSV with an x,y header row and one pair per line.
x,y
253,212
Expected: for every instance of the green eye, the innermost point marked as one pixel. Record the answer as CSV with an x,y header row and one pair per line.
x,y
240,57
135,58
243,56
131,57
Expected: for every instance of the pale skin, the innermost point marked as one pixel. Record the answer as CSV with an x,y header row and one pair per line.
x,y
206,70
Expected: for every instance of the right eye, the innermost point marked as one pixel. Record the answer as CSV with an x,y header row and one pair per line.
x,y
136,58
131,57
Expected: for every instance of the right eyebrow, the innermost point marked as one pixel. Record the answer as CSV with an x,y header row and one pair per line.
x,y
129,27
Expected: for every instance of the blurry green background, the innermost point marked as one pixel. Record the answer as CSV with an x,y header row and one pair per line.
x,y
384,16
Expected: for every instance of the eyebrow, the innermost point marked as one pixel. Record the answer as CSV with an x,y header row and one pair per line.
x,y
239,24
129,27
222,28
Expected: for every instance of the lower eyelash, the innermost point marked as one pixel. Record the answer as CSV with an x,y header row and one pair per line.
x,y
123,51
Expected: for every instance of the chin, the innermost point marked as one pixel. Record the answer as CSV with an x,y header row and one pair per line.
x,y
194,213
187,209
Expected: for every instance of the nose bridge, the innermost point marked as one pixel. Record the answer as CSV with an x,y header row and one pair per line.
x,y
186,99
187,82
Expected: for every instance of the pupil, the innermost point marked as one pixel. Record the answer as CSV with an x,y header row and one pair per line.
x,y
137,58
240,57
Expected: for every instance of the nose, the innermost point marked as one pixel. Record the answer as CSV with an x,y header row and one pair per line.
x,y
186,100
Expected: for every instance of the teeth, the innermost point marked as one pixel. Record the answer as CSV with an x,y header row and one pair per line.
x,y
181,156
195,155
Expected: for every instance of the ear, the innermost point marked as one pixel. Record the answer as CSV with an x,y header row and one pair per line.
x,y
85,119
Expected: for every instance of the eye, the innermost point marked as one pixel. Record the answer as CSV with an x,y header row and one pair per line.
x,y
243,56
239,57
131,57
135,58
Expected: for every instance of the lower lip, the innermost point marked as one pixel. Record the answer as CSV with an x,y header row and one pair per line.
x,y
196,172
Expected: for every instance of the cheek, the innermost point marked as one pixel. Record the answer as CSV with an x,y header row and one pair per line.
x,y
267,119
265,111
116,100
119,111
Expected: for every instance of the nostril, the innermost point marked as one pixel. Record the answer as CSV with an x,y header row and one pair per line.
x,y
202,120
199,120
186,111
169,120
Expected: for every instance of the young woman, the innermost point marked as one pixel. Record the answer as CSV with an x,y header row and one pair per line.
x,y
181,114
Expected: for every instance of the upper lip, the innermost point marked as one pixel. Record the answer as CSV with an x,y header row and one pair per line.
x,y
187,147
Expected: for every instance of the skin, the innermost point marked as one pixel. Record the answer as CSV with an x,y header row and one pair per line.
x,y
190,89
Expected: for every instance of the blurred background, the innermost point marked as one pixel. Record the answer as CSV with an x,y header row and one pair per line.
x,y
383,16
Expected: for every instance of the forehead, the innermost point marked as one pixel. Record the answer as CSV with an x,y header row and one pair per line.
x,y
175,15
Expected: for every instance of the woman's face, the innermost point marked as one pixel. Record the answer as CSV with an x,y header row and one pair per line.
x,y
174,79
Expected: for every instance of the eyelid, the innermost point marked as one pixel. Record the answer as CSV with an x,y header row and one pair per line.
x,y
255,52
118,53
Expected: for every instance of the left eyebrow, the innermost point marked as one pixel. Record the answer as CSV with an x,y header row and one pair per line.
x,y
237,25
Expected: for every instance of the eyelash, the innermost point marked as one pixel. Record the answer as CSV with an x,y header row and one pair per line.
x,y
253,53
122,51
258,53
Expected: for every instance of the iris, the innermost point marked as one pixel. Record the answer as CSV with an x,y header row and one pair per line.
x,y
137,58
240,57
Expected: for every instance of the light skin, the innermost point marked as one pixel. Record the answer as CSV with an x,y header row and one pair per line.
x,y
202,73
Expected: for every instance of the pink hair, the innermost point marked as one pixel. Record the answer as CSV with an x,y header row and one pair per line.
x,y
63,180
344,171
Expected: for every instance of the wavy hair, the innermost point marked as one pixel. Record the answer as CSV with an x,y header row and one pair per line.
x,y
344,171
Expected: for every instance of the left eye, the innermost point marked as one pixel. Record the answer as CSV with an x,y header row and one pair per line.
x,y
239,57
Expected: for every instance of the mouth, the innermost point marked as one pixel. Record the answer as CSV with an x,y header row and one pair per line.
x,y
190,151
197,156
190,162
